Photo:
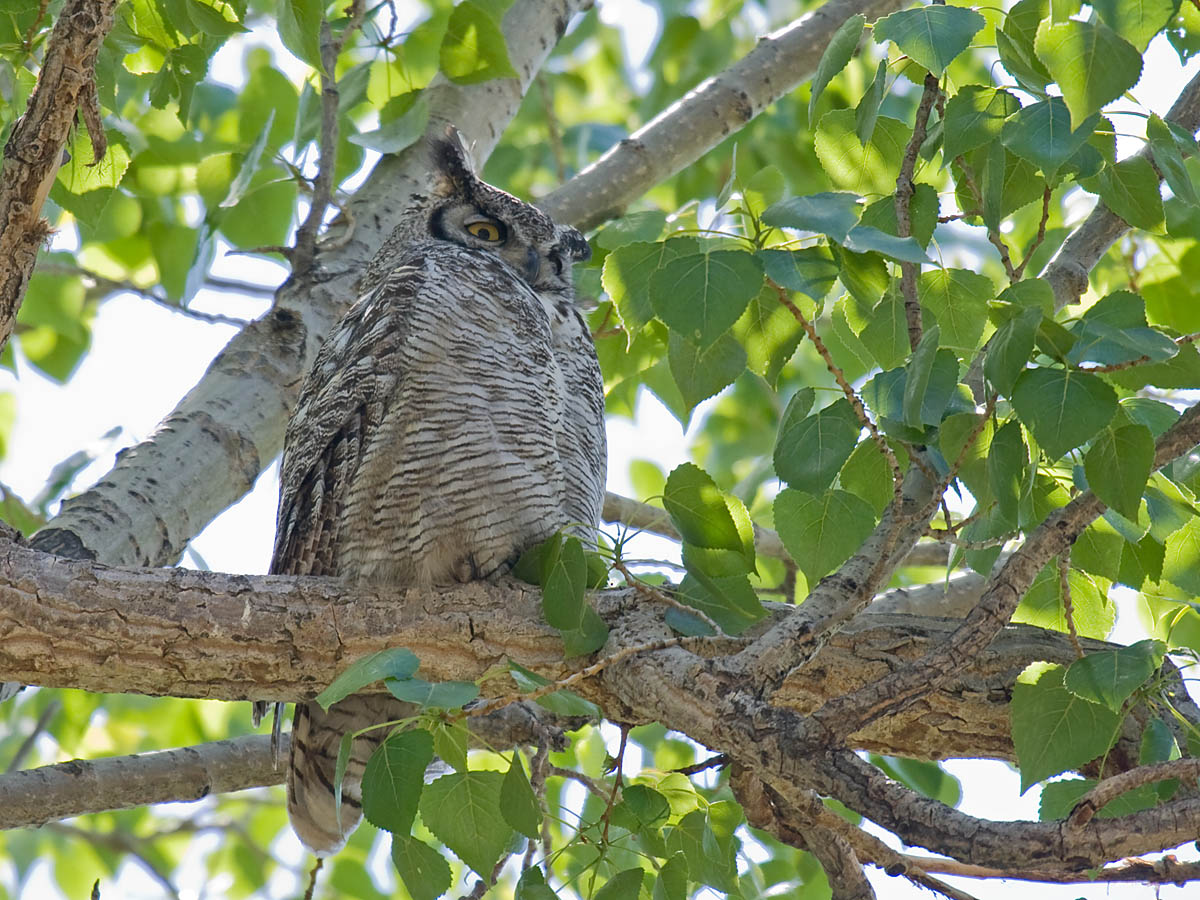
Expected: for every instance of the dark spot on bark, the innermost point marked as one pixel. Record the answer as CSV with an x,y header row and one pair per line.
x,y
61,542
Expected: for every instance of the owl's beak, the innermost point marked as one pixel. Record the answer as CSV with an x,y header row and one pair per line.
x,y
533,265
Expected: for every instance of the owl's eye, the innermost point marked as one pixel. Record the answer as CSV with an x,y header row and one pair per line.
x,y
486,230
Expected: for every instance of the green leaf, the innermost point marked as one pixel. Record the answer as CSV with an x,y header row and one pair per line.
x,y
769,333
393,779
865,239
399,133
564,582
867,474
917,374
1169,160
450,744
1042,134
811,271
811,449
1114,330
870,168
886,332
958,300
820,533
832,213
626,278
923,212
300,28
927,778
710,857
1181,565
1130,189
672,879
211,21
701,375
838,52
441,694
1063,408
518,804
867,110
424,871
1008,468
1111,676
621,886
1118,465
462,809
729,600
395,662
1138,21
1009,349
1054,730
641,809
931,35
1091,63
974,117
638,227
532,886
473,48
563,703
704,516
702,295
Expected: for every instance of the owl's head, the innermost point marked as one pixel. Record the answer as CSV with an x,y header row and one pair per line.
x,y
472,213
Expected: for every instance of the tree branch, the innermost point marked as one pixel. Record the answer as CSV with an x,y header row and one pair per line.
x,y
35,147
1068,271
689,128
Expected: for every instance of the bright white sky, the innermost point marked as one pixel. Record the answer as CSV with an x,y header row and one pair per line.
x,y
144,358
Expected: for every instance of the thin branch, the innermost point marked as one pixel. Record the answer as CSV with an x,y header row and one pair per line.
x,y
904,194
1187,769
18,758
35,147
710,112
1167,870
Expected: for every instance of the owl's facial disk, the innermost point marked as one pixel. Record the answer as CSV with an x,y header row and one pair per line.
x,y
543,259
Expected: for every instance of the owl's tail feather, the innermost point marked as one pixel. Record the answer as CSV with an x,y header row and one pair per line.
x,y
316,736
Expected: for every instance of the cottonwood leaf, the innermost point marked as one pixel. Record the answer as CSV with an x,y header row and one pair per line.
x,y
473,48
1111,676
396,662
931,35
1054,730
837,53
1091,63
832,213
424,871
1063,408
518,804
820,533
393,779
462,809
974,117
702,295
1118,465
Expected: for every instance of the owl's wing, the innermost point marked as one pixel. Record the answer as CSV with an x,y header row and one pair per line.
x,y
325,441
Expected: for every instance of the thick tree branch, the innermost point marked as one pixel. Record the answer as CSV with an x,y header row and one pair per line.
x,y
37,796
69,623
35,147
1068,271
711,112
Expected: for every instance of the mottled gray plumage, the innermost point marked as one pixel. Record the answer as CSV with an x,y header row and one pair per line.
x,y
451,420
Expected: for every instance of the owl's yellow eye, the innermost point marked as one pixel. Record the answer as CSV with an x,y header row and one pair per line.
x,y
492,232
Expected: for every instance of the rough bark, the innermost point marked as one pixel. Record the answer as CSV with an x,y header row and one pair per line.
x,y
72,623
35,148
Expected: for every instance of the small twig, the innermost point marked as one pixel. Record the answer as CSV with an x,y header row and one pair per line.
x,y
587,781
556,147
322,189
1094,800
595,668
860,411
1019,272
992,235
38,727
904,193
711,763
1167,870
1141,360
1064,587
611,799
312,878
658,596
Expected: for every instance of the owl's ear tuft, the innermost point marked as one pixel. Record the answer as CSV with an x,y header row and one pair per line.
x,y
452,162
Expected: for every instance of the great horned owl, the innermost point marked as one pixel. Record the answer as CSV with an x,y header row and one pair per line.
x,y
452,419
